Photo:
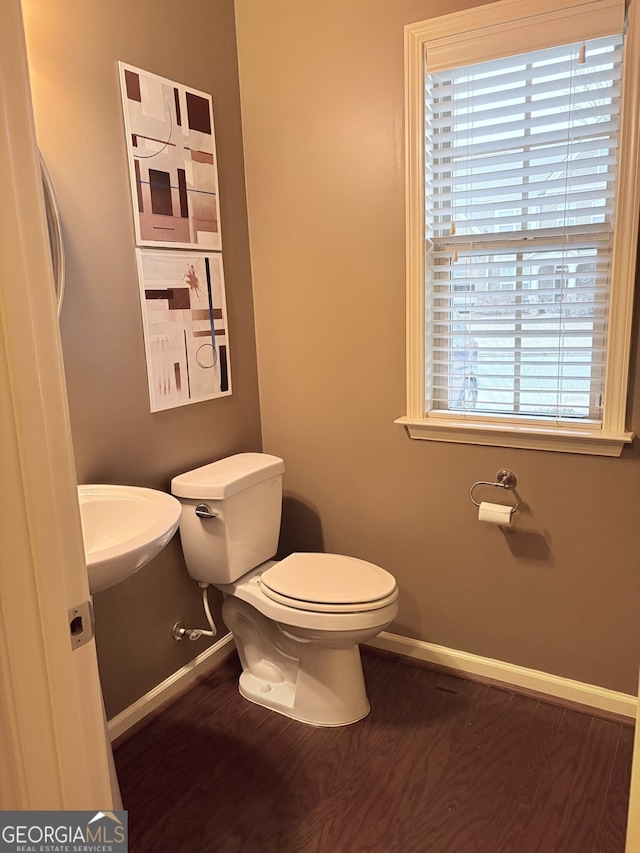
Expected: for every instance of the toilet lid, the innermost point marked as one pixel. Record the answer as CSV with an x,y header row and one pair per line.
x,y
328,582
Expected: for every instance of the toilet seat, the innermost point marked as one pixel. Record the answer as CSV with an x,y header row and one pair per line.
x,y
328,583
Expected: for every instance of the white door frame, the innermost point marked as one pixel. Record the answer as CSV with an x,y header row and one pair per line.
x,y
633,825
53,751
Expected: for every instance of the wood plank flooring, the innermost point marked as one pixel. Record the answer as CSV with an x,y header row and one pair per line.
x,y
440,764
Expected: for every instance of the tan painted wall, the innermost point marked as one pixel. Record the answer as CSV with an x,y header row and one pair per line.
x,y
74,46
322,103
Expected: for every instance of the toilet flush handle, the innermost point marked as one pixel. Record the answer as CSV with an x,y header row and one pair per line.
x,y
204,511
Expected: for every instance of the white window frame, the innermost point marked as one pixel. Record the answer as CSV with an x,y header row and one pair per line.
x,y
511,22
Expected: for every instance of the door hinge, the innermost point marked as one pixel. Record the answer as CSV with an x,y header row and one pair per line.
x,y
81,624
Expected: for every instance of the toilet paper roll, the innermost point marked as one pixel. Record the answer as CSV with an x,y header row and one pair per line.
x,y
495,513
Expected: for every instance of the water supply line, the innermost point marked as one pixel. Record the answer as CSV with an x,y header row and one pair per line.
x,y
180,631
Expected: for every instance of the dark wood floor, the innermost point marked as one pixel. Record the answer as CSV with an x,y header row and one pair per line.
x,y
440,764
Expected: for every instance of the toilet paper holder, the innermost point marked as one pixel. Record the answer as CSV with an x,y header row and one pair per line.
x,y
504,480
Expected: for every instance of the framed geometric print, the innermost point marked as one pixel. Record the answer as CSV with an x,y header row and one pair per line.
x,y
173,168
184,316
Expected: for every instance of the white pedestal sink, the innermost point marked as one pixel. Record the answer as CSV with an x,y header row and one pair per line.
x,y
124,527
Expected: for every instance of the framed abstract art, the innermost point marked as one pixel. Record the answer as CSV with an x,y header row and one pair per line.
x,y
184,316
173,167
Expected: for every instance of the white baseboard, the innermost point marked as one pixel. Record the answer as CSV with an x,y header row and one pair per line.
x,y
553,686
516,677
171,686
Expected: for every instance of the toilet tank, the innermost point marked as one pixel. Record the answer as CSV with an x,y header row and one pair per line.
x,y
245,493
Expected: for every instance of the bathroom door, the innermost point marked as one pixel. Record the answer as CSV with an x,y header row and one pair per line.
x,y
53,751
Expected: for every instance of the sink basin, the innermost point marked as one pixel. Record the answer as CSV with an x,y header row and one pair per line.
x,y
123,527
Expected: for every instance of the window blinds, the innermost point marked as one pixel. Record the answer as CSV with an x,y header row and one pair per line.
x,y
520,174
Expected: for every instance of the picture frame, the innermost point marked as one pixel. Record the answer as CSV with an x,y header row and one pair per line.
x,y
171,152
184,314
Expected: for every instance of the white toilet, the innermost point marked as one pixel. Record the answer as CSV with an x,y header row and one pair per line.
x,y
297,623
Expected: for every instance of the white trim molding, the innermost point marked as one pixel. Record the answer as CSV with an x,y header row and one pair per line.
x,y
171,686
633,824
523,435
590,696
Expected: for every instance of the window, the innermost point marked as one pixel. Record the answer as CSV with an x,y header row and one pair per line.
x,y
521,254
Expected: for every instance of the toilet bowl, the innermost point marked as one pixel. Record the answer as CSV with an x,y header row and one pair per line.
x,y
298,622
301,657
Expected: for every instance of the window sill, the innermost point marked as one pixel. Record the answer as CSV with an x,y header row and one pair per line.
x,y
595,442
